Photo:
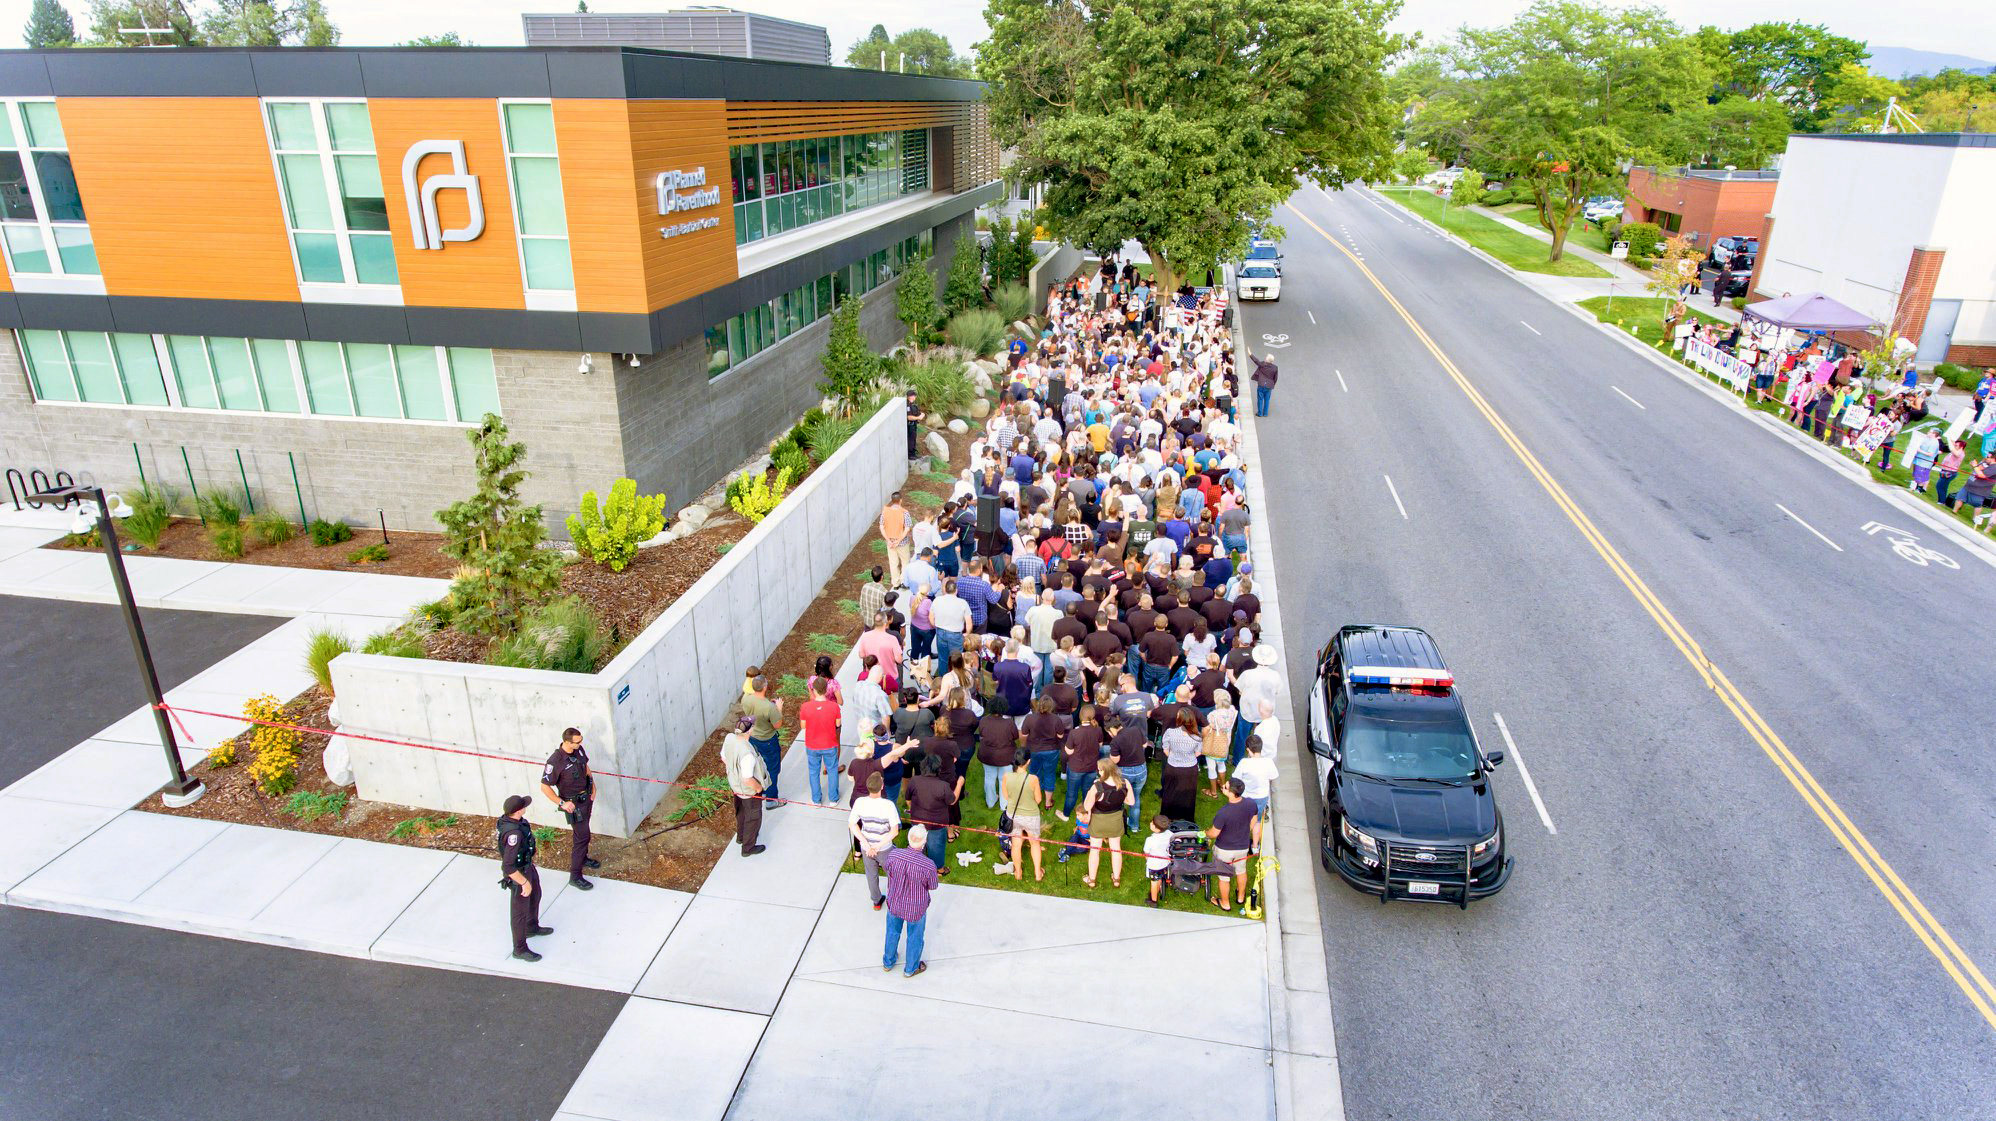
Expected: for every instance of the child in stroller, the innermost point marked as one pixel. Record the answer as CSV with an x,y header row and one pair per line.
x,y
1178,854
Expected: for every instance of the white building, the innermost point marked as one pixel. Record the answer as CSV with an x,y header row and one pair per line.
x,y
1899,227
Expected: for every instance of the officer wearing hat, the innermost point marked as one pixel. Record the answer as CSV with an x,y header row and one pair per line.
x,y
566,782
519,876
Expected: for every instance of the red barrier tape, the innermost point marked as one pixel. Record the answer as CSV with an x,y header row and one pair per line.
x,y
175,711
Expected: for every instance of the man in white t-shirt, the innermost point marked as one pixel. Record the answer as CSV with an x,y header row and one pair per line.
x,y
1157,855
1257,771
1254,687
873,823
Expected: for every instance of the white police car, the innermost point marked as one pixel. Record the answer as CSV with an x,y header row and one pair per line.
x,y
1259,281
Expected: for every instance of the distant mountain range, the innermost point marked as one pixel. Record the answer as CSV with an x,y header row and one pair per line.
x,y
1904,62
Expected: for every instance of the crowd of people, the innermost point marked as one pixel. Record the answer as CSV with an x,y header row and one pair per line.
x,y
1072,636
1825,391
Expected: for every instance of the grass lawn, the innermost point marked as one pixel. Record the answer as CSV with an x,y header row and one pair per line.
x,y
1065,879
1520,251
1646,315
1581,232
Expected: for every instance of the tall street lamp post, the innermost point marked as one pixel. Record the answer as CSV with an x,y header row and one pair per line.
x,y
180,789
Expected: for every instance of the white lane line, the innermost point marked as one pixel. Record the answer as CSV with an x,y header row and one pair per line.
x,y
1341,380
1529,327
1810,528
1391,487
1531,787
1312,315
1629,399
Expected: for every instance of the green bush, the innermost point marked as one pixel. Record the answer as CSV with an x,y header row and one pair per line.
x,y
308,805
1960,377
368,554
830,433
152,512
979,330
792,459
702,798
1468,190
915,302
852,370
941,385
325,533
221,507
228,538
437,614
754,496
271,528
964,287
610,534
397,643
1644,238
562,634
1014,302
321,647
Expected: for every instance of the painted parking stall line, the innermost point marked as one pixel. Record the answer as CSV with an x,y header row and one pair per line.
x,y
1525,773
1341,380
1529,327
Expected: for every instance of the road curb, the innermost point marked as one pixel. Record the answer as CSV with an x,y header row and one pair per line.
x,y
1977,545
1303,1054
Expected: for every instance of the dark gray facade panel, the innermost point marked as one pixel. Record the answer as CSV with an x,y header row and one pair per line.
x,y
254,319
307,73
613,333
454,72
25,74
175,72
63,313
356,323
584,74
492,327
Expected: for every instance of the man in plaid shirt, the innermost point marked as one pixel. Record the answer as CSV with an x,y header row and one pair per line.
x,y
911,876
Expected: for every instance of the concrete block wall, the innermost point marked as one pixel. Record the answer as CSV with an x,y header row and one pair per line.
x,y
1058,264
647,712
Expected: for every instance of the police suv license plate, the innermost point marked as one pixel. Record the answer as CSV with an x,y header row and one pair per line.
x,y
1419,887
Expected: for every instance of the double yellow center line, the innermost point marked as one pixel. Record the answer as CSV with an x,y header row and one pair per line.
x,y
1921,921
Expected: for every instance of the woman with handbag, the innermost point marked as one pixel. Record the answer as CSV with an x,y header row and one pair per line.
x,y
1103,810
1021,790
1217,740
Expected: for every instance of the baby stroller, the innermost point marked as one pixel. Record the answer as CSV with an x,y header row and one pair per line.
x,y
1192,863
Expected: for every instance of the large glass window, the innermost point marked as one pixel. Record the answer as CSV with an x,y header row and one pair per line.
x,y
333,200
41,210
538,207
455,384
740,338
785,184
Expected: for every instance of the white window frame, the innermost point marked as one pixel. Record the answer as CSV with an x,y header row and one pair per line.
x,y
60,280
318,291
538,299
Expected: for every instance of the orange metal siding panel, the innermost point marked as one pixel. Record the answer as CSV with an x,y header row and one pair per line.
x,y
607,224
682,136
181,196
484,272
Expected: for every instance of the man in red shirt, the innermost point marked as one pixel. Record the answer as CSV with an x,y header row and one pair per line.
x,y
820,720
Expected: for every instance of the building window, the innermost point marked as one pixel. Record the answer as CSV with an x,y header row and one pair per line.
x,y
788,184
331,183
41,210
759,328
368,380
534,170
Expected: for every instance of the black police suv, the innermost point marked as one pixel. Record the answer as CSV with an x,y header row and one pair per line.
x,y
1408,809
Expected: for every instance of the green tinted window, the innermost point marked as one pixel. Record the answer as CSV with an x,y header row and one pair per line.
x,y
291,126
422,384
530,129
234,376
96,370
139,363
325,378
548,266
44,125
537,186
190,371
347,123
273,373
48,365
371,366
473,382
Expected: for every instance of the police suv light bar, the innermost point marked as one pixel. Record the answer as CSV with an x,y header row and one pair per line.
x,y
1401,675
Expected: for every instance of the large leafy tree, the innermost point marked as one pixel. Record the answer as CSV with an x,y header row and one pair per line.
x,y
917,50
1568,95
49,25
261,23
172,23
1735,132
1794,64
1178,124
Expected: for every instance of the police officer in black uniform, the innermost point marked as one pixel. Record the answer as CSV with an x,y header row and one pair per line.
x,y
519,876
566,781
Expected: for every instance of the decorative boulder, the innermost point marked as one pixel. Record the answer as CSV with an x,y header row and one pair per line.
x,y
979,409
958,426
981,380
934,420
1024,329
693,517
938,446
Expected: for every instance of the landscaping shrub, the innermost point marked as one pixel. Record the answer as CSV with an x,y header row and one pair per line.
x,y
792,460
941,385
829,433
368,554
915,302
394,644
497,537
702,798
979,331
152,512
562,634
274,751
756,497
610,534
437,614
323,532
228,538
321,647
308,805
271,528
1645,239
1013,302
852,370
221,506
1960,377
964,287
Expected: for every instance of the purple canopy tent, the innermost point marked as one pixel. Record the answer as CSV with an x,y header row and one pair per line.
x,y
1810,311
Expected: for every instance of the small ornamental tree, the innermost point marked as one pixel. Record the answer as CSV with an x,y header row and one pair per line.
x,y
915,302
1022,252
496,537
965,286
852,370
1468,189
610,535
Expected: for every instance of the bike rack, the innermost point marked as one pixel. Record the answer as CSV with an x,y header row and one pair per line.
x,y
24,488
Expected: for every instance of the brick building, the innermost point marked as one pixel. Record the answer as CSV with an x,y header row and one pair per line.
x,y
237,264
1896,226
1699,204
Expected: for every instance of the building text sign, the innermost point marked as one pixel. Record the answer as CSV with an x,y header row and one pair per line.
x,y
680,191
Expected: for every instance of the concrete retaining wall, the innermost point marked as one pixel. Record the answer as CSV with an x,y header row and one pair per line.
x,y
647,712
1059,264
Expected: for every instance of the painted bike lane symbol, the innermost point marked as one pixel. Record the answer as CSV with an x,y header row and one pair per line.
x,y
1275,342
1906,544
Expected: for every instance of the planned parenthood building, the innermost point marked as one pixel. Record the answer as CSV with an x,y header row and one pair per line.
x,y
322,267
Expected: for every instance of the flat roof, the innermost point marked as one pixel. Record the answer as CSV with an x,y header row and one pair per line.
x,y
528,72
1918,139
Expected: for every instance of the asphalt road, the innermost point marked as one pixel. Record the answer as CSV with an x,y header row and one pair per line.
x,y
105,1020
1692,941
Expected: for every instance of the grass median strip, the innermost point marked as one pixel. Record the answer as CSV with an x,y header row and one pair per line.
x,y
1520,251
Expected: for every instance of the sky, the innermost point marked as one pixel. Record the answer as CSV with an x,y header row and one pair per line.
x,y
1952,26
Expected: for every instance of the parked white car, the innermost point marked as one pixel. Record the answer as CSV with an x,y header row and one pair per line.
x,y
1446,177
1601,210
1259,281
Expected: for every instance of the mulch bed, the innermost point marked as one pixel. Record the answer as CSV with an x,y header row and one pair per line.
x,y
409,554
660,855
